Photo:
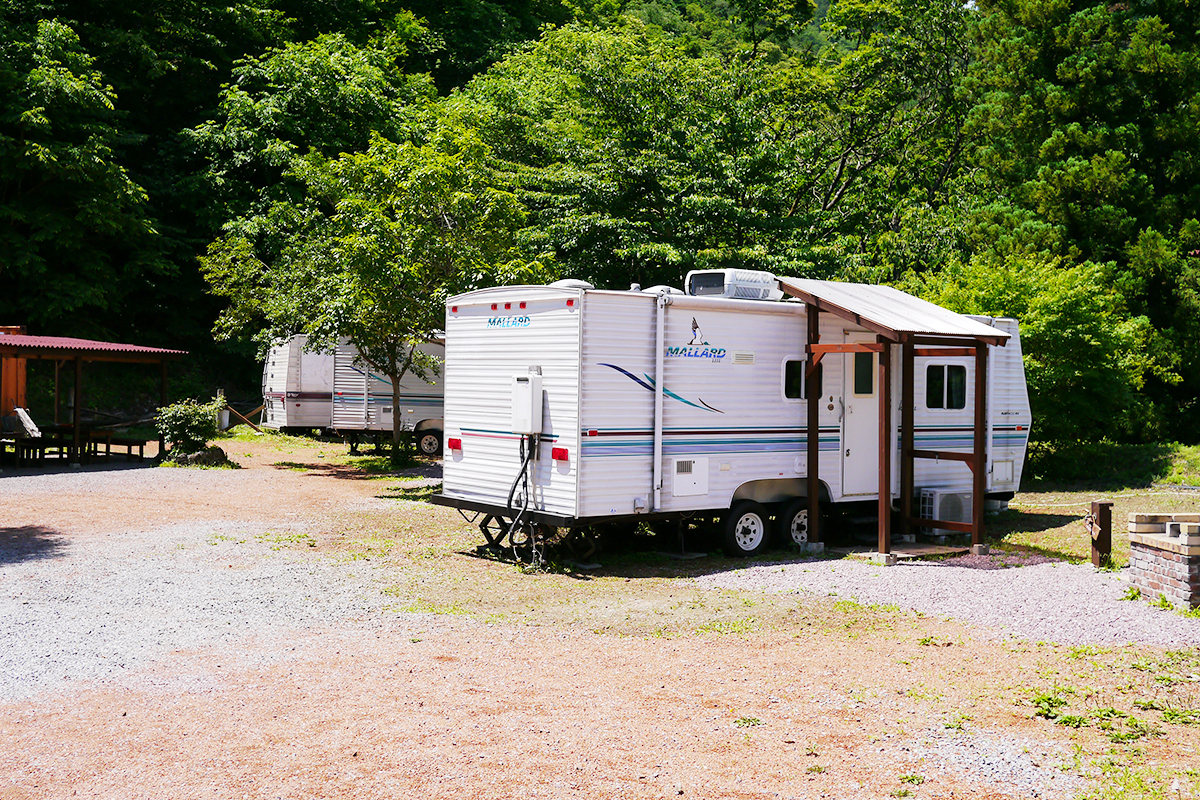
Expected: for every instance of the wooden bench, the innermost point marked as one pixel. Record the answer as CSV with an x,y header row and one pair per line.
x,y
128,443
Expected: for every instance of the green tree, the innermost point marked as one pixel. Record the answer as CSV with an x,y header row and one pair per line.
x,y
74,226
379,241
327,95
1085,358
1088,118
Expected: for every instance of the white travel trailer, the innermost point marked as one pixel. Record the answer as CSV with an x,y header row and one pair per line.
x,y
363,401
297,387
334,392
568,406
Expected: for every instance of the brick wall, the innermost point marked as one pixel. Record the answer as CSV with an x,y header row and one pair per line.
x,y
1165,559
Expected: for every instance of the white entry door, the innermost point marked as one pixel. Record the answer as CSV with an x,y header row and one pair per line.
x,y
860,423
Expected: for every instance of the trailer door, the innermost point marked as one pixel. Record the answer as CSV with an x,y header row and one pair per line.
x,y
860,422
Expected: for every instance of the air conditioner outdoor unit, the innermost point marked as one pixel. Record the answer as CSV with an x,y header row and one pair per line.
x,y
945,505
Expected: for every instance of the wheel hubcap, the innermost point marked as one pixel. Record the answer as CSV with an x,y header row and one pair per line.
x,y
799,527
749,531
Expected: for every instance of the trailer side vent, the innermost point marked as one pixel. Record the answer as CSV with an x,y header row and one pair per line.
x,y
690,477
683,467
743,357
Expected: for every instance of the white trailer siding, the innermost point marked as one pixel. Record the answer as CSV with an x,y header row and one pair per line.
x,y
485,348
362,397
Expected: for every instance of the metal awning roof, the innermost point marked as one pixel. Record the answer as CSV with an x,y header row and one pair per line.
x,y
22,345
889,312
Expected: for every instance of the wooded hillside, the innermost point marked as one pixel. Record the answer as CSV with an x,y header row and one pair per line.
x,y
168,168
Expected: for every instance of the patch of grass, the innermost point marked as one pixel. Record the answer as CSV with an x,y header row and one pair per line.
x,y
1047,704
815,769
1177,716
957,722
1083,651
1132,593
1194,613
1163,603
903,791
279,540
734,626
912,778
747,722
1072,721
292,465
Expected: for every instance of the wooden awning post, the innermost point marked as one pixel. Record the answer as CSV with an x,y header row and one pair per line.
x,y
813,441
886,437
979,465
907,466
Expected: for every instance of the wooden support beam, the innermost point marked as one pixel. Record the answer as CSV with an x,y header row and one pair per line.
x,y
979,465
886,437
813,444
960,527
907,436
846,347
77,422
243,419
945,455
944,351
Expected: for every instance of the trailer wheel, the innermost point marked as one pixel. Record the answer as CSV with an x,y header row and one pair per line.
x,y
746,530
793,523
429,442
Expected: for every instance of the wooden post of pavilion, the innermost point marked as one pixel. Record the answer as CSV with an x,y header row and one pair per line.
x,y
76,422
162,395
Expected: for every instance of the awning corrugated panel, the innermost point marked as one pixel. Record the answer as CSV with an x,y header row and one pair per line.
x,y
889,311
26,346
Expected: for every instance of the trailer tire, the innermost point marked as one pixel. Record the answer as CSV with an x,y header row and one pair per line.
x,y
746,530
429,442
793,522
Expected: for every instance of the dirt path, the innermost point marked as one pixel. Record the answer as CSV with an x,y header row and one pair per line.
x,y
369,656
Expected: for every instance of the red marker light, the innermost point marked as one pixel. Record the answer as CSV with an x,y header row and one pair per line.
x,y
493,306
559,454
570,302
508,306
593,433
522,304
454,444
453,309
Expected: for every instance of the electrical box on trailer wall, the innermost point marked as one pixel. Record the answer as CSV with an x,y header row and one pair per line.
x,y
527,403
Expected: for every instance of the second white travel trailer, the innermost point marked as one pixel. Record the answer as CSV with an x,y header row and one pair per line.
x,y
569,406
337,392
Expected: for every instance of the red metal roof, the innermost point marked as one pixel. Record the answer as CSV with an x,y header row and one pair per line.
x,y
82,346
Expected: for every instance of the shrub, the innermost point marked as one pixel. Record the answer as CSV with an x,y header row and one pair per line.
x,y
189,425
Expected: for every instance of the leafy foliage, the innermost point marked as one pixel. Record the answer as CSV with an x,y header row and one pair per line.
x,y
189,425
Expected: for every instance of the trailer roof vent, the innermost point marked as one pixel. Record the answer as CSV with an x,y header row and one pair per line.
x,y
739,284
572,283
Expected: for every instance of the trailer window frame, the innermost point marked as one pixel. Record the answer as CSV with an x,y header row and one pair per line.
x,y
953,388
788,379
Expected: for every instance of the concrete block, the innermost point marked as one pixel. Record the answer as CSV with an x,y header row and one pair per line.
x,y
1151,519
1147,527
979,550
812,548
884,559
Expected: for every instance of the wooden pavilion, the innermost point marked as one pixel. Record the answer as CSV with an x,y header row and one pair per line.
x,y
17,347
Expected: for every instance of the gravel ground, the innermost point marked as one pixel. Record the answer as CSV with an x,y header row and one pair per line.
x,y
99,609
1048,601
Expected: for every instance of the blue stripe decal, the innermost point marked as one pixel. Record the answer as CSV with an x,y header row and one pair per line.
x,y
650,387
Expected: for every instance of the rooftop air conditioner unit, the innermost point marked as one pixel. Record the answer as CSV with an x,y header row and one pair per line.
x,y
946,506
738,284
